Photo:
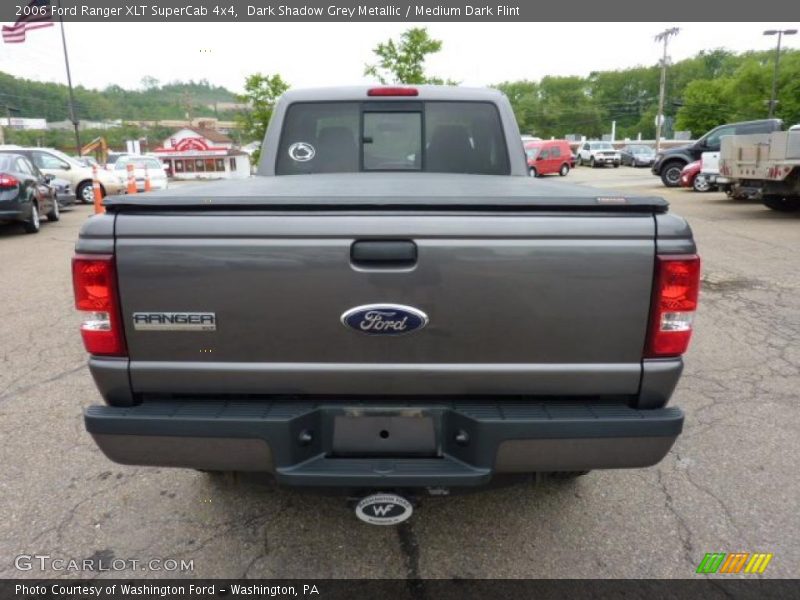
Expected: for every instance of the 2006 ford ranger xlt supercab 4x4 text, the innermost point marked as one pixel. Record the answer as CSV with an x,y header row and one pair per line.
x,y
391,305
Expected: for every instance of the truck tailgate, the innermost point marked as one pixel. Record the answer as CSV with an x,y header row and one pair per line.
x,y
518,303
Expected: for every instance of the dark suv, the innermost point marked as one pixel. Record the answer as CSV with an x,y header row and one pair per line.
x,y
669,163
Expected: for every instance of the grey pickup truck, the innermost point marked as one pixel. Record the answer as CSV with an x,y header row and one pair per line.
x,y
390,303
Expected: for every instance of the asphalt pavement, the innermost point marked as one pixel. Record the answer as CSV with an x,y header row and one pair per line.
x,y
730,483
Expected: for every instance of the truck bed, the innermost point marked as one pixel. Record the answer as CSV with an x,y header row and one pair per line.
x,y
422,191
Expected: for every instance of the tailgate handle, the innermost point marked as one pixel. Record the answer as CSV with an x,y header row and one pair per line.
x,y
384,253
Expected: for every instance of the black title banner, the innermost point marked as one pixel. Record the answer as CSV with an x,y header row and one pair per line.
x,y
410,589
391,10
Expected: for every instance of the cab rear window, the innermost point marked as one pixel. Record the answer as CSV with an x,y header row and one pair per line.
x,y
436,137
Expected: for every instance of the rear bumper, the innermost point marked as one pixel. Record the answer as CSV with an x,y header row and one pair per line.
x,y
14,210
12,215
459,443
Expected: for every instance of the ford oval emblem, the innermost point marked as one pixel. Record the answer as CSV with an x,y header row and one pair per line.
x,y
384,509
384,319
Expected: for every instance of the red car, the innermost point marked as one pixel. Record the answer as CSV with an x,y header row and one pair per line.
x,y
691,178
548,156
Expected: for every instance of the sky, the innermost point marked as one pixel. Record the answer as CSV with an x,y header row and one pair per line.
x,y
316,54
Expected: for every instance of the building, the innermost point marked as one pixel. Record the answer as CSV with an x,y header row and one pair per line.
x,y
83,125
199,123
202,153
23,123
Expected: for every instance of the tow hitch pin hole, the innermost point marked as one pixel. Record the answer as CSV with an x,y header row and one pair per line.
x,y
384,434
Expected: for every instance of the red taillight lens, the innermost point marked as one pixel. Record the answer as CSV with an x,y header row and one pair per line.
x,y
95,283
677,284
8,181
393,91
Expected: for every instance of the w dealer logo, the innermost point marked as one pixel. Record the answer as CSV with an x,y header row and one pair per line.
x,y
383,509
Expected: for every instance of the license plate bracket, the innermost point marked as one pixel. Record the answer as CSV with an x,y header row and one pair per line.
x,y
384,435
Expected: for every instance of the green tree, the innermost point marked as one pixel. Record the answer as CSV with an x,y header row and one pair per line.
x,y
524,98
149,82
260,92
705,105
404,61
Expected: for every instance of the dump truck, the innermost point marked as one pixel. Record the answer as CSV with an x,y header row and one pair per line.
x,y
763,166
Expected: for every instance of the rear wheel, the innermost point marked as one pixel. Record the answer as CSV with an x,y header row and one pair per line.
x,y
85,192
55,212
33,224
563,170
782,203
701,184
671,174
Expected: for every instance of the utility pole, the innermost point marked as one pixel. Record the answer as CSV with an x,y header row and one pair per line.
x,y
773,99
187,105
663,37
9,110
72,115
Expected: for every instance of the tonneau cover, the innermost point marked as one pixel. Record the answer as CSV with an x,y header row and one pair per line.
x,y
389,190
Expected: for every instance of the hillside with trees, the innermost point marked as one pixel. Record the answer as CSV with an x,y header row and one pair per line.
x,y
706,90
153,101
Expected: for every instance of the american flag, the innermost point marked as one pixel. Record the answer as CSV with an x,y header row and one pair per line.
x,y
40,17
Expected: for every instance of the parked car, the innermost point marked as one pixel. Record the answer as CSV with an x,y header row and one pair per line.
x,y
63,191
113,157
59,189
548,157
21,198
378,321
143,166
56,163
692,178
669,163
637,155
598,154
88,161
709,170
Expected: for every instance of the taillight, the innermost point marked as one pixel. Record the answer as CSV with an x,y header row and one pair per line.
x,y
95,283
393,91
8,181
677,283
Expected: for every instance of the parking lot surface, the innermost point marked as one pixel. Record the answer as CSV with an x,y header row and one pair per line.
x,y
730,483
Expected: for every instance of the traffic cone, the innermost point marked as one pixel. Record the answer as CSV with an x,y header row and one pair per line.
x,y
98,192
147,187
131,179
